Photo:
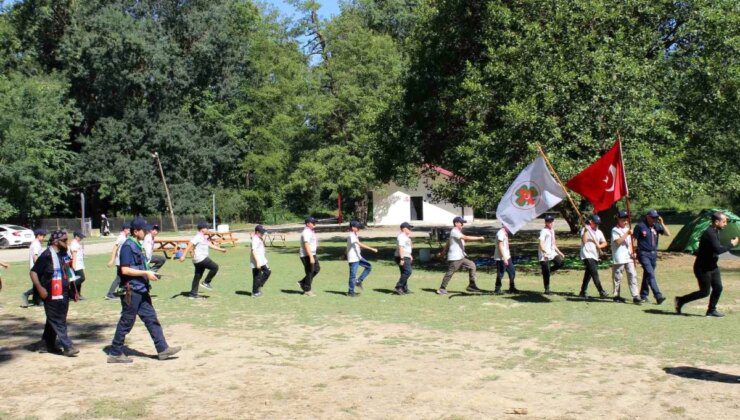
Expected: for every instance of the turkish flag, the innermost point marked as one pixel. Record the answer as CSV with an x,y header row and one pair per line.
x,y
603,183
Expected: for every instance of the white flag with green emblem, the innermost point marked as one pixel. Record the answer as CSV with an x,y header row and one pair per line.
x,y
533,192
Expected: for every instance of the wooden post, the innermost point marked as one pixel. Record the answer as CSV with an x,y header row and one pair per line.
x,y
167,191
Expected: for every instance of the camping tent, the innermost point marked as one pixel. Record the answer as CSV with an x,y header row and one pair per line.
x,y
687,240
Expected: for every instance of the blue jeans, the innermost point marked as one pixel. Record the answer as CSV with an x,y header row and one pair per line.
x,y
141,305
405,270
648,261
353,266
508,269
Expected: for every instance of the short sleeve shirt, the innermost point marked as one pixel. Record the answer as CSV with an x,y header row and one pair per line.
x,y
133,256
76,246
353,248
34,251
308,236
44,268
647,237
547,239
403,242
456,250
258,250
201,245
502,245
621,254
149,246
589,250
119,242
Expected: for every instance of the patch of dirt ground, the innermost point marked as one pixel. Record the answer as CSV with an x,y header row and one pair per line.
x,y
365,369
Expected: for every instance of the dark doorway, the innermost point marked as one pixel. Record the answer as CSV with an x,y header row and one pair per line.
x,y
417,208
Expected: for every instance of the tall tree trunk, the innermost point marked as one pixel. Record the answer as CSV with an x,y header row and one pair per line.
x,y
361,208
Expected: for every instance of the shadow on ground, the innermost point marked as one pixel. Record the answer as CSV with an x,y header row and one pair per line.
x,y
689,372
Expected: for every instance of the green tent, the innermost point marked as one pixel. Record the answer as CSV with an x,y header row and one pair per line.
x,y
687,240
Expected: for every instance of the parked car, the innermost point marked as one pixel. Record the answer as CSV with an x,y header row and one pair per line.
x,y
12,235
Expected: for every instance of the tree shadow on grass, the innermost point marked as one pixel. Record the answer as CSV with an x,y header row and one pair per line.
x,y
702,374
666,312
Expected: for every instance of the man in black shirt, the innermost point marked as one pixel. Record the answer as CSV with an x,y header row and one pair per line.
x,y
51,280
705,266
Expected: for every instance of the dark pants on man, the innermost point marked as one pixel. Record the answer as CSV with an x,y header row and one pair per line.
x,y
259,277
708,279
80,279
56,323
648,261
405,270
592,272
547,269
141,305
200,268
157,262
502,268
311,270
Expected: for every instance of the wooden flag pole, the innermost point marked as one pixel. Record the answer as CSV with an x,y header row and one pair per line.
x,y
627,197
565,190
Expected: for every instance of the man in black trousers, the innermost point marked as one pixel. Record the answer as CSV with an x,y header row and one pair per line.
x,y
705,267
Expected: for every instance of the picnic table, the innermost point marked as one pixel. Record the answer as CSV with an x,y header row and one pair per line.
x,y
219,238
173,245
272,236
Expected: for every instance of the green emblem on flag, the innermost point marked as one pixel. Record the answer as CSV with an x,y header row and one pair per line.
x,y
526,196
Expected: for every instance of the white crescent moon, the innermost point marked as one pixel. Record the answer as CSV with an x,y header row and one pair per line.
x,y
613,173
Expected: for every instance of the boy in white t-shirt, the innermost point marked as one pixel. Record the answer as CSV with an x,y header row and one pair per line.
x,y
309,245
77,254
504,262
456,257
592,242
547,251
34,250
354,258
155,261
623,259
404,258
201,245
115,257
258,261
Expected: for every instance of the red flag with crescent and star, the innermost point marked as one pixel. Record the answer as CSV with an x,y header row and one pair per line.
x,y
604,182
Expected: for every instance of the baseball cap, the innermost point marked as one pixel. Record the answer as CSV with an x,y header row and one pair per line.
x,y
155,227
595,218
126,225
310,219
260,229
406,225
202,225
79,234
139,224
355,224
549,218
40,231
653,213
459,219
623,214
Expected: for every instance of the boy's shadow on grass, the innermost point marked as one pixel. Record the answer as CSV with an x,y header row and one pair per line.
x,y
337,292
702,374
187,294
666,312
242,292
528,296
591,299
128,351
291,291
385,291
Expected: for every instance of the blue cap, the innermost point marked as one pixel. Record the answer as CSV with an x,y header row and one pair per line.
x,y
140,224
310,219
126,225
260,229
595,218
79,234
203,225
623,214
155,227
355,224
549,218
39,232
653,213
406,225
459,219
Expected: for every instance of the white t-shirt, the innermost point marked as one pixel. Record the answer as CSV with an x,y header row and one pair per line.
x,y
502,251
308,236
589,249
353,248
76,246
547,239
149,246
201,244
621,254
34,250
456,250
258,249
404,242
119,242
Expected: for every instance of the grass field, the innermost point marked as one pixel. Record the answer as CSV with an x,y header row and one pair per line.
x,y
541,333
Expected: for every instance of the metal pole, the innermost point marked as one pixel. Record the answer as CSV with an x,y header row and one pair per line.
x,y
214,211
167,191
82,206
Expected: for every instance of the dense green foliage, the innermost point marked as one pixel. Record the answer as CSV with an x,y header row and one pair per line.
x,y
280,115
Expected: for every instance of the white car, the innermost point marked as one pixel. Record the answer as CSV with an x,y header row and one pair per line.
x,y
12,235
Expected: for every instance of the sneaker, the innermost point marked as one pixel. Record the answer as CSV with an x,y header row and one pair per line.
x,y
676,305
206,285
359,285
256,294
660,300
582,295
121,358
619,299
441,291
192,296
399,291
643,299
407,291
352,294
168,352
472,288
636,300
72,351
513,290
309,293
603,295
110,296
548,292
51,350
24,300
715,313
300,285
498,292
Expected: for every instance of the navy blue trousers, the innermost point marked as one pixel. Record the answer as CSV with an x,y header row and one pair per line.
x,y
141,305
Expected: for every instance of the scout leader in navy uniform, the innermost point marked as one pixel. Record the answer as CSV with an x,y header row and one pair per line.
x,y
50,278
646,236
135,277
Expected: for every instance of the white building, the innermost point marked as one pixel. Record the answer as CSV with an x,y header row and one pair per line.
x,y
394,205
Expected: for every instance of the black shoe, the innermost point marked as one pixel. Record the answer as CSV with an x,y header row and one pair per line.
x,y
498,292
660,300
583,296
513,290
352,294
637,301
399,291
472,288
677,305
619,299
72,351
407,291
548,292
359,285
715,313
168,352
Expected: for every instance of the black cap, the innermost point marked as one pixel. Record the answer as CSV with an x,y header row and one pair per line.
x,y
203,225
155,227
79,234
595,218
310,219
623,214
139,224
260,229
40,231
406,225
653,213
355,224
549,218
459,219
126,225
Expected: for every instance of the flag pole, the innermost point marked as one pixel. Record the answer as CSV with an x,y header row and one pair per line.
x,y
627,196
565,190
